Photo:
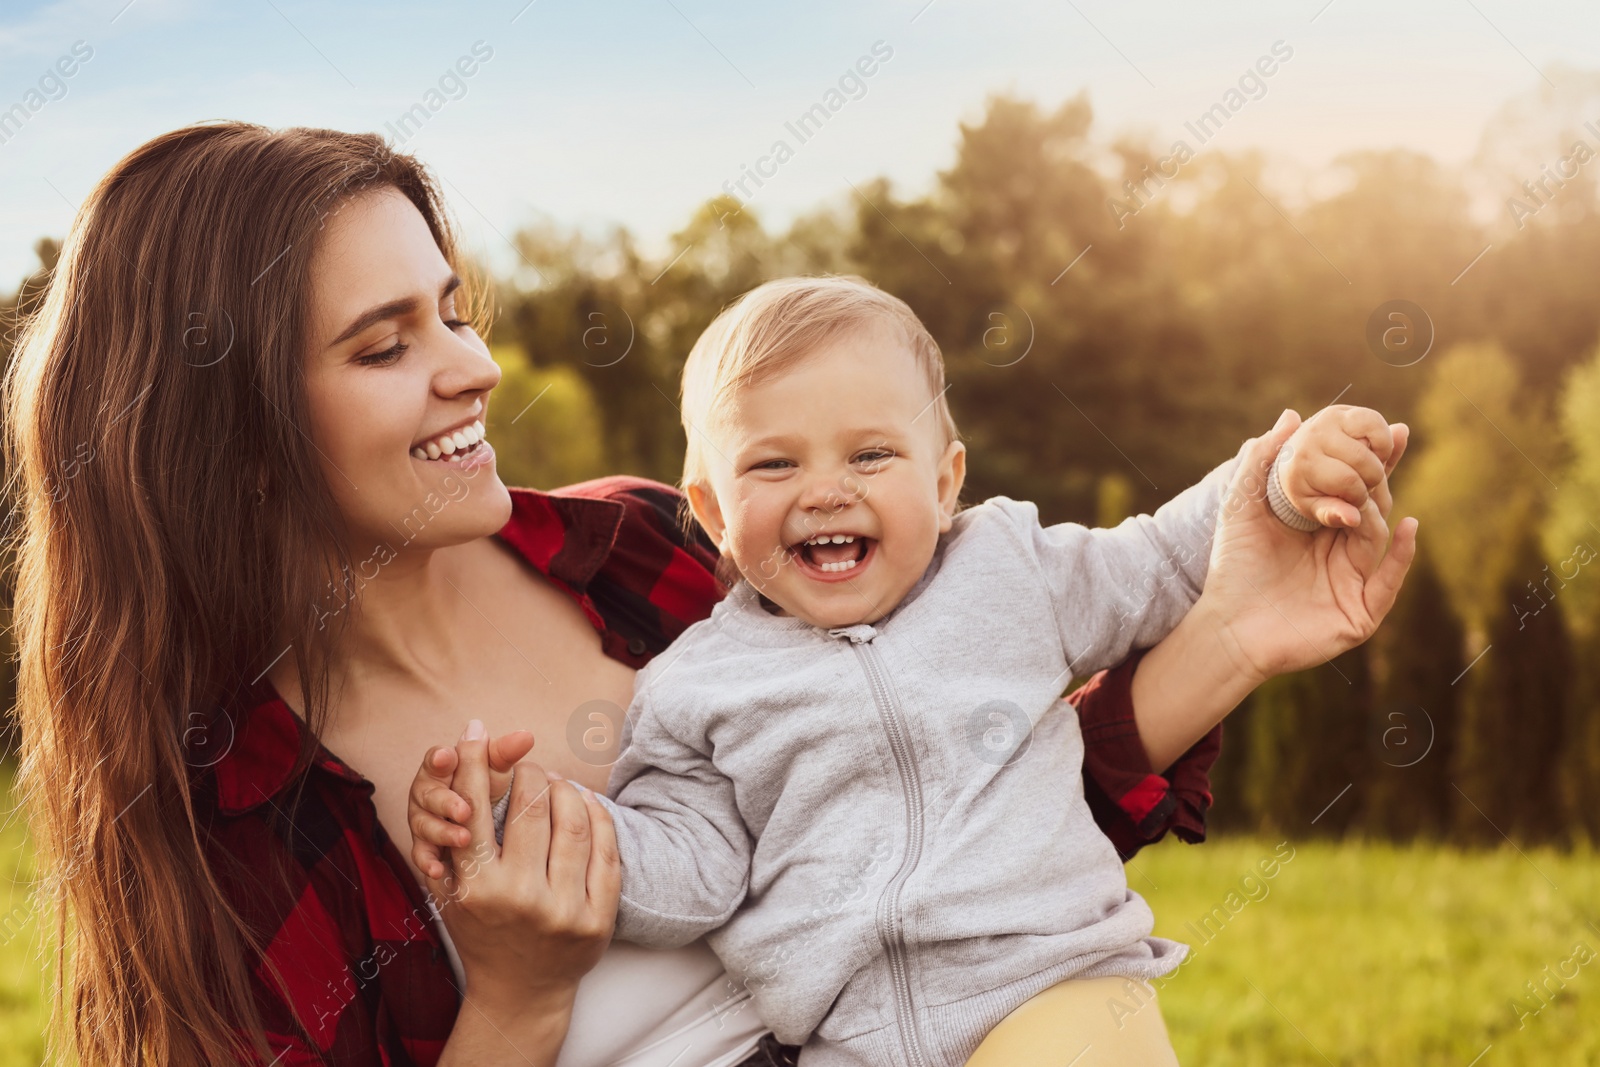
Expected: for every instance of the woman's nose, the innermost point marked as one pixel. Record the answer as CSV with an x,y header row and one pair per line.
x,y
468,369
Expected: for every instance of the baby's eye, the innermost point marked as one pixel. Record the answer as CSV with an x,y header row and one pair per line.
x,y
772,465
874,456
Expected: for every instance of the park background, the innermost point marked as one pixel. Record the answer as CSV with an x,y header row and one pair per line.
x,y
1404,214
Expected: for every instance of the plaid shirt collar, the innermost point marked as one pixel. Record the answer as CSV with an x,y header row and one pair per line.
x,y
566,538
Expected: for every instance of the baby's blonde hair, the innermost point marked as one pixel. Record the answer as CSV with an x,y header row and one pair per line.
x,y
776,325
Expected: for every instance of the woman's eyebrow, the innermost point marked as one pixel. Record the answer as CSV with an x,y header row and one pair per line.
x,y
394,309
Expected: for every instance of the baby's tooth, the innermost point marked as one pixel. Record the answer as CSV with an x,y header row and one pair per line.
x,y
433,450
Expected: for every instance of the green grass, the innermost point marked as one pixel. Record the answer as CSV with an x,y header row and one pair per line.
x,y
1356,954
1377,954
22,1007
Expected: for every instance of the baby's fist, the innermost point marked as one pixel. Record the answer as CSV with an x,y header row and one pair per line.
x,y
1336,461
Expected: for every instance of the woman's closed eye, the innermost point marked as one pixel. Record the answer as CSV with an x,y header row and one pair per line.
x,y
393,353
448,314
384,358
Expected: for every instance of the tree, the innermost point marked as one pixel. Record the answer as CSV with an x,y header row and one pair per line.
x,y
624,325
1580,767
1509,754
1480,480
1418,657
1232,807
546,428
14,311
1307,746
1571,529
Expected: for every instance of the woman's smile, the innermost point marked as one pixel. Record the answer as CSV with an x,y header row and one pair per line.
x,y
453,445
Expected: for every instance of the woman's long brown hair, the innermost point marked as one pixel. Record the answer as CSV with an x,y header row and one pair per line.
x,y
174,534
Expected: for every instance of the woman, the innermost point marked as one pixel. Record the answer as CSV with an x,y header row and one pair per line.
x,y
240,557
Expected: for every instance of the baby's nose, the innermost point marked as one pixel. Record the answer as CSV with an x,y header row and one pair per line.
x,y
831,493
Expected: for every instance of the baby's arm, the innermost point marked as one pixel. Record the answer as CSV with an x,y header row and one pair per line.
x,y
686,851
1126,587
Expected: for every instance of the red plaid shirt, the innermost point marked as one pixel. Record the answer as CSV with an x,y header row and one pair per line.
x,y
354,971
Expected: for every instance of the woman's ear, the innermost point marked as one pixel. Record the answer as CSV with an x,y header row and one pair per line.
x,y
708,513
952,476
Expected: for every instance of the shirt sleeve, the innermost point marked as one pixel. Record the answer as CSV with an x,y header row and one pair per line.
x,y
1126,587
685,849
1133,805
660,575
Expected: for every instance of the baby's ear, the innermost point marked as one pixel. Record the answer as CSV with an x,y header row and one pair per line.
x,y
707,512
952,476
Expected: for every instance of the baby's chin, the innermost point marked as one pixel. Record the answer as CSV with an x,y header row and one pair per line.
x,y
836,619
831,608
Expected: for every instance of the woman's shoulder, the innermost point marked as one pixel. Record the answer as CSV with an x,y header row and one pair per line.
x,y
602,513
622,487
624,545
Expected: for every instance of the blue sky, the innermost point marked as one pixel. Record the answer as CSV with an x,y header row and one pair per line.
x,y
635,111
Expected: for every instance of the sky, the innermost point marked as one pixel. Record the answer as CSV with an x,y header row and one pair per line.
x,y
633,112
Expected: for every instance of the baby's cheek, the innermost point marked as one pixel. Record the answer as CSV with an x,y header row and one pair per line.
x,y
759,559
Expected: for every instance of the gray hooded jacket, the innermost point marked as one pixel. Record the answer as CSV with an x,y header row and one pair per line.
x,y
881,828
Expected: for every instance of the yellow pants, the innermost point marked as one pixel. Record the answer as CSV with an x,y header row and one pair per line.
x,y
1092,1022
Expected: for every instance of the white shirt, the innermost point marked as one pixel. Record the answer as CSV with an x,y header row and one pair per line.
x,y
644,1007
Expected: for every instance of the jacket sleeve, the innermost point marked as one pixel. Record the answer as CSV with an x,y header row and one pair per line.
x,y
1132,804
1127,587
685,849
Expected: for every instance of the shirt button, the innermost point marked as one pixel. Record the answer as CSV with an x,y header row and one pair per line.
x,y
637,647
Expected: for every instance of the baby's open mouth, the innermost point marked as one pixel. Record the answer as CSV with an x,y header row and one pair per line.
x,y
834,552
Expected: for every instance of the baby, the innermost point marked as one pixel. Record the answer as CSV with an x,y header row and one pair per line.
x,y
857,777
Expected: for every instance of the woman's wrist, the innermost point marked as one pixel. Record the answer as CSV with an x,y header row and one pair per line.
x,y
511,1030
1188,683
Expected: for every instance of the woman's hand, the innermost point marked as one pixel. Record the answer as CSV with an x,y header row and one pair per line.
x,y
531,918
1286,600
1275,600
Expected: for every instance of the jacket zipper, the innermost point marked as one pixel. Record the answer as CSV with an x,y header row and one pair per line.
x,y
891,919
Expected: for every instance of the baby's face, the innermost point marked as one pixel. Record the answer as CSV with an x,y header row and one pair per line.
x,y
830,484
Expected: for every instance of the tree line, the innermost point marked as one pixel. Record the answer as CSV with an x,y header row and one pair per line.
x,y
1100,361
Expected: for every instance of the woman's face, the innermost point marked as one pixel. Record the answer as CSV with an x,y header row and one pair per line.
x,y
393,375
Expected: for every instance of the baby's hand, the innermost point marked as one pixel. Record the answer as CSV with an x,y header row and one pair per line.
x,y
437,815
1336,460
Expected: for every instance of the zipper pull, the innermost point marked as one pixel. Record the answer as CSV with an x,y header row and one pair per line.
x,y
859,634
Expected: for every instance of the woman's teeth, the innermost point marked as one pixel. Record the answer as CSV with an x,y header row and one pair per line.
x,y
447,445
